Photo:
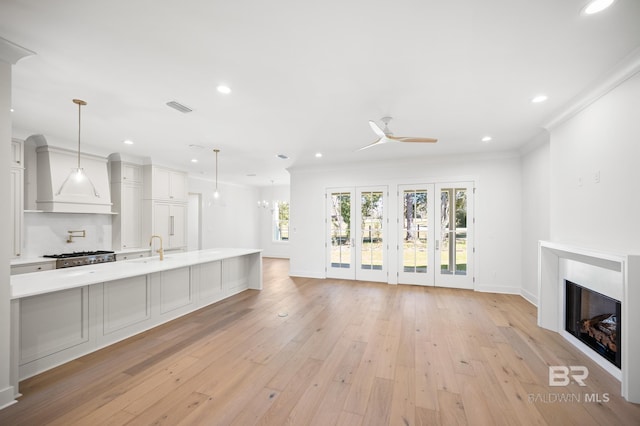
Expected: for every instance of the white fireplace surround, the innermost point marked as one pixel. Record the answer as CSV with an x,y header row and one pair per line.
x,y
614,275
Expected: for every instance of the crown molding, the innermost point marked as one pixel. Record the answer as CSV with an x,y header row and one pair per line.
x,y
624,70
11,52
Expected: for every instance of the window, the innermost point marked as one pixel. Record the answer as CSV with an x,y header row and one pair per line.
x,y
281,221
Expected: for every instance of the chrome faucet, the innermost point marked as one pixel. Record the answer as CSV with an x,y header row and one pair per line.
x,y
160,251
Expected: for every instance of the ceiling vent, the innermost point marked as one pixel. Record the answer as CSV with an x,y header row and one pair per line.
x,y
178,106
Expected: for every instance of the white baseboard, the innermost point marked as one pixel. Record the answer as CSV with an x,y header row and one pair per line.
x,y
530,297
274,256
7,397
306,274
497,289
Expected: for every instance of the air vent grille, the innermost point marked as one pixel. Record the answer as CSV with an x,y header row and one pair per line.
x,y
178,106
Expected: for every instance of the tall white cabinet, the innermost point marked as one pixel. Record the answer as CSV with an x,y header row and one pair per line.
x,y
165,205
127,185
17,196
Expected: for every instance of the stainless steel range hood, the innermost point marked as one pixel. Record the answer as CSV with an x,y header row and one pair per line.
x,y
53,165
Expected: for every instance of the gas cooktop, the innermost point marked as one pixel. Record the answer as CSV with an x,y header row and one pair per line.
x,y
78,254
80,258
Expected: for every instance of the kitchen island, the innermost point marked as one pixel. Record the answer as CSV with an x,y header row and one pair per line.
x,y
62,314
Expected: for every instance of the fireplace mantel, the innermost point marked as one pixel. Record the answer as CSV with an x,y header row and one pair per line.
x,y
615,275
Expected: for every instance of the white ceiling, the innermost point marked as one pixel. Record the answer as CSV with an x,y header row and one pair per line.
x,y
305,76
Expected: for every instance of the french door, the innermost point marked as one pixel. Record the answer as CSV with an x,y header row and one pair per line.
x,y
357,233
435,234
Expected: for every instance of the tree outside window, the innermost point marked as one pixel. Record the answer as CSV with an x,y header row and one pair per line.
x,y
281,221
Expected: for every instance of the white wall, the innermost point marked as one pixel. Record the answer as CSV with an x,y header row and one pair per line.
x,y
602,139
535,212
497,207
232,219
265,216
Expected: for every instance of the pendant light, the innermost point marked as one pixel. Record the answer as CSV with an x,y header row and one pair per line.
x,y
216,194
78,183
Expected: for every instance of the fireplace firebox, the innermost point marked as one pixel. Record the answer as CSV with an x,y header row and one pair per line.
x,y
593,318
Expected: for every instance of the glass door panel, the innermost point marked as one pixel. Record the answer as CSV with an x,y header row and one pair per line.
x,y
453,245
415,252
371,238
372,247
340,228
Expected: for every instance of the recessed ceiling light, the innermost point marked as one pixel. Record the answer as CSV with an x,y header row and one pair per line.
x,y
539,98
486,139
596,6
194,160
127,142
318,154
11,110
223,89
282,157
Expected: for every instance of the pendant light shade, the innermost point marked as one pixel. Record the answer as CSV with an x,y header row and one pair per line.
x,y
216,194
78,183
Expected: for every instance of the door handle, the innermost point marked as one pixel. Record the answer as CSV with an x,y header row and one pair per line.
x,y
437,244
171,230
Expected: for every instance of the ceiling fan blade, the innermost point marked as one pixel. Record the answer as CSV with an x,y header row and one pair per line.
x,y
376,129
378,142
411,139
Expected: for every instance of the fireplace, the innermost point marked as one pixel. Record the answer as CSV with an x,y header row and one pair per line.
x,y
592,318
606,278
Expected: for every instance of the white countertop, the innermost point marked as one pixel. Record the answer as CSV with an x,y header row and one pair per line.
x,y
31,260
35,283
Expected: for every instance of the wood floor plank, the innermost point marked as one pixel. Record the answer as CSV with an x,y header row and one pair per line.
x,y
451,408
379,406
363,380
346,353
349,419
290,394
426,381
403,407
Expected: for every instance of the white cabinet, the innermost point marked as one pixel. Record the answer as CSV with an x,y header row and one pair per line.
x,y
165,207
127,194
207,278
132,173
131,216
16,153
53,328
168,184
16,211
176,290
17,197
169,222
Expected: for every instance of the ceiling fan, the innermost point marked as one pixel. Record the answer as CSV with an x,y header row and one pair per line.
x,y
385,135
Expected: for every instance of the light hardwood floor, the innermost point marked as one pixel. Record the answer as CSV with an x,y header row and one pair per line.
x,y
347,353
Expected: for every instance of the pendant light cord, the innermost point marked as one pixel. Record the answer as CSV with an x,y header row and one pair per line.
x,y
216,151
79,102
79,124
